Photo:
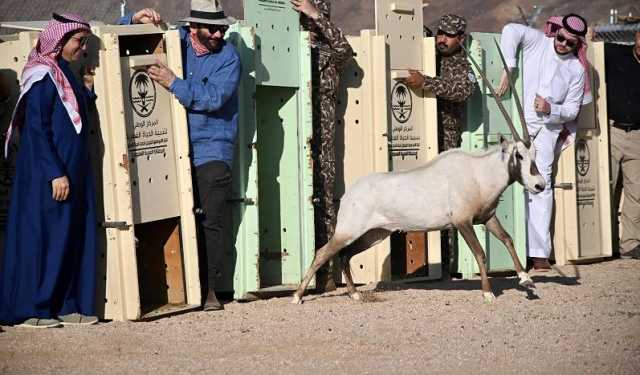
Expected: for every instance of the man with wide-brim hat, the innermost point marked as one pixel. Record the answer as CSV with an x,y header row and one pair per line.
x,y
208,91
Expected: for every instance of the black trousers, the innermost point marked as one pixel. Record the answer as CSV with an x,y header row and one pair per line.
x,y
212,186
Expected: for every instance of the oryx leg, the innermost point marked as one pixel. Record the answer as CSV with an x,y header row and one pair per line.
x,y
470,237
493,225
366,241
322,256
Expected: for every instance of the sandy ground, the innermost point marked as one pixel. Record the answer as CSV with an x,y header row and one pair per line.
x,y
580,320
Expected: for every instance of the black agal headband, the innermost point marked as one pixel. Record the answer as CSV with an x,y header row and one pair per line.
x,y
575,24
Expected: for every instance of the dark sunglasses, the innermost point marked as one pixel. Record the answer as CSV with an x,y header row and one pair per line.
x,y
215,28
82,40
567,42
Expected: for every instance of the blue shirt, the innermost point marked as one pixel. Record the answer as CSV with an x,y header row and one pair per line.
x,y
209,92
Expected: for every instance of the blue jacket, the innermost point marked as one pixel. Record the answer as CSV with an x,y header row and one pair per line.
x,y
209,92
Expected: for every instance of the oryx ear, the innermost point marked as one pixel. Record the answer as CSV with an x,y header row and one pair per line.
x,y
504,145
501,138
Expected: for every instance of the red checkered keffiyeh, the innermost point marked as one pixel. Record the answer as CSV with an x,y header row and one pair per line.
x,y
551,28
42,61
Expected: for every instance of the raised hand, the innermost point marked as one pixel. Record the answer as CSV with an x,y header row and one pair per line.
x,y
147,15
306,7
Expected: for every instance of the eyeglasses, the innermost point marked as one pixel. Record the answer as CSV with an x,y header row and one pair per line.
x,y
215,28
568,42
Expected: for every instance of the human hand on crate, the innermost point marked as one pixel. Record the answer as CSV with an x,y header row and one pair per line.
x,y
161,73
503,86
415,79
147,15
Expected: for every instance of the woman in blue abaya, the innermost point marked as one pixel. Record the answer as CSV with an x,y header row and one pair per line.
x,y
48,270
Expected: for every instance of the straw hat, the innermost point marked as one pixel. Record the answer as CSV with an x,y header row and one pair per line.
x,y
208,12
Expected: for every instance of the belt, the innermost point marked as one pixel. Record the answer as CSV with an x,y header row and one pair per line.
x,y
626,126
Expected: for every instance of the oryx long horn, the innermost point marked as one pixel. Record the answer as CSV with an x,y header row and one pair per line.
x,y
515,134
516,97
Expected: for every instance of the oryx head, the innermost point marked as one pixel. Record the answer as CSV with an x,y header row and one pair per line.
x,y
522,154
521,159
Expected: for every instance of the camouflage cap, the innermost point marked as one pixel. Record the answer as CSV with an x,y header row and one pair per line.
x,y
452,24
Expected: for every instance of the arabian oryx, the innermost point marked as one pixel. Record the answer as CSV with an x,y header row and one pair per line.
x,y
456,189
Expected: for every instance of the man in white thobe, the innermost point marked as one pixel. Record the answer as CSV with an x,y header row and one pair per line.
x,y
554,72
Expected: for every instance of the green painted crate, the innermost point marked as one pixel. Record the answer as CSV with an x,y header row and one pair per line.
x,y
272,241
484,122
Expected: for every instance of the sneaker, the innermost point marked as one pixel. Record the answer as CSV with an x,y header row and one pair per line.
x,y
541,264
632,254
40,323
76,319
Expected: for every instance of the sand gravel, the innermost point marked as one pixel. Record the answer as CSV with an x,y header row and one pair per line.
x,y
580,320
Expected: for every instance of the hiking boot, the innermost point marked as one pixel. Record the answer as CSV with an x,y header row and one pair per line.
x,y
212,303
541,264
76,319
40,323
631,254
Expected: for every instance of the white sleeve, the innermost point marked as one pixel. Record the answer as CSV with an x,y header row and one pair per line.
x,y
568,110
514,34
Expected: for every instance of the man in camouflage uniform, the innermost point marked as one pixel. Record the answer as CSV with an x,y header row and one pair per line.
x,y
453,85
330,52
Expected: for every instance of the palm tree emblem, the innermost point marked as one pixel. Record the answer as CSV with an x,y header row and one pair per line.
x,y
142,93
401,94
142,85
401,102
583,161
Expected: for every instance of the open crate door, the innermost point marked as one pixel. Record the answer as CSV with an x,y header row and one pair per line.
x,y
484,123
413,124
284,168
582,224
240,274
150,252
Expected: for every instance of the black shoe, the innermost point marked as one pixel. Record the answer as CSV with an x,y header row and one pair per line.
x,y
632,254
212,303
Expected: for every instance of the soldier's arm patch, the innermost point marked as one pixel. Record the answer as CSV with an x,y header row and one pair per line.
x,y
472,77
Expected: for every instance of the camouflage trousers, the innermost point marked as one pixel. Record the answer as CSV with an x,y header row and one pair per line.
x,y
324,167
450,137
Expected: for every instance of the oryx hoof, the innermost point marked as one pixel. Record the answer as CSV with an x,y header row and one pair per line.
x,y
357,296
525,280
296,300
489,298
